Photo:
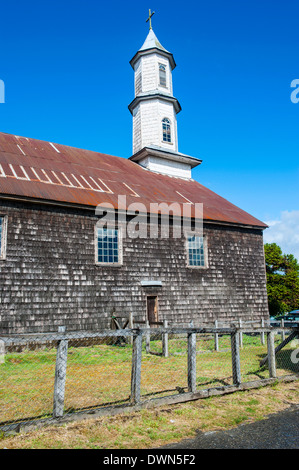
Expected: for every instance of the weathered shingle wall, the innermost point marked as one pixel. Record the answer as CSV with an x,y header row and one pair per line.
x,y
50,278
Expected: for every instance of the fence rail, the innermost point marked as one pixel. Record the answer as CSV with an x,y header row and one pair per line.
x,y
52,376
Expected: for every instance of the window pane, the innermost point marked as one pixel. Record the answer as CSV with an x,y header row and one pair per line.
x,y
166,130
196,250
107,245
162,75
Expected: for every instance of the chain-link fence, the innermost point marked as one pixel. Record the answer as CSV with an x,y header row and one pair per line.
x,y
50,376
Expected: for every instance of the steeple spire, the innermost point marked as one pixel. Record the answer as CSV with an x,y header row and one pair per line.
x,y
151,42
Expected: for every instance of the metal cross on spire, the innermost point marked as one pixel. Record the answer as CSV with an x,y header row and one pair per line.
x,y
150,14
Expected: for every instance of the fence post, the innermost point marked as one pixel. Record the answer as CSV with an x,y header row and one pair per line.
x,y
147,339
241,334
262,333
165,341
131,326
60,375
136,367
216,337
283,336
271,354
191,361
235,347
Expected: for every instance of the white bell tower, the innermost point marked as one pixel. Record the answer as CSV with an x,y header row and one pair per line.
x,y
154,101
154,110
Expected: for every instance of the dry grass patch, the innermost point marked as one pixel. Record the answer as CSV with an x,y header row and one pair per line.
x,y
163,425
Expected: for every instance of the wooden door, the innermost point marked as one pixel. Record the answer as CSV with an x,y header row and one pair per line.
x,y
152,309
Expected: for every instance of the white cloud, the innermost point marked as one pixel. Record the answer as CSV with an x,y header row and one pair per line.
x,y
284,232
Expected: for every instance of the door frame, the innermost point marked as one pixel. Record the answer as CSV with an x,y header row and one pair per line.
x,y
156,307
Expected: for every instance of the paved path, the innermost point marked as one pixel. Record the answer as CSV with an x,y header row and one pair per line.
x,y
278,431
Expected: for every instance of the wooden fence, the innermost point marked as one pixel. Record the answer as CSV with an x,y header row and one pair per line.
x,y
138,335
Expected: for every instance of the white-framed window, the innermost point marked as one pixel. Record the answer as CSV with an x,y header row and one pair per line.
x,y
166,130
108,246
3,233
197,252
162,75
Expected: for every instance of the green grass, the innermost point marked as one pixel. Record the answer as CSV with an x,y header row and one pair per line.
x,y
101,374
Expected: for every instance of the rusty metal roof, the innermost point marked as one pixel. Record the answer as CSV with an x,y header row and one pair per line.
x,y
31,168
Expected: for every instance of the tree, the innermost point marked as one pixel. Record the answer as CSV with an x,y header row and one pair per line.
x,y
282,280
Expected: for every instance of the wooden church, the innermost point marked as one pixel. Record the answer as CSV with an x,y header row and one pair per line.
x,y
58,266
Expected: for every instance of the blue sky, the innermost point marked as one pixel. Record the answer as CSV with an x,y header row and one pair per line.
x,y
67,79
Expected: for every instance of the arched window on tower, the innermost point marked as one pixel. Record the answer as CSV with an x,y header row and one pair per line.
x,y
166,130
162,75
